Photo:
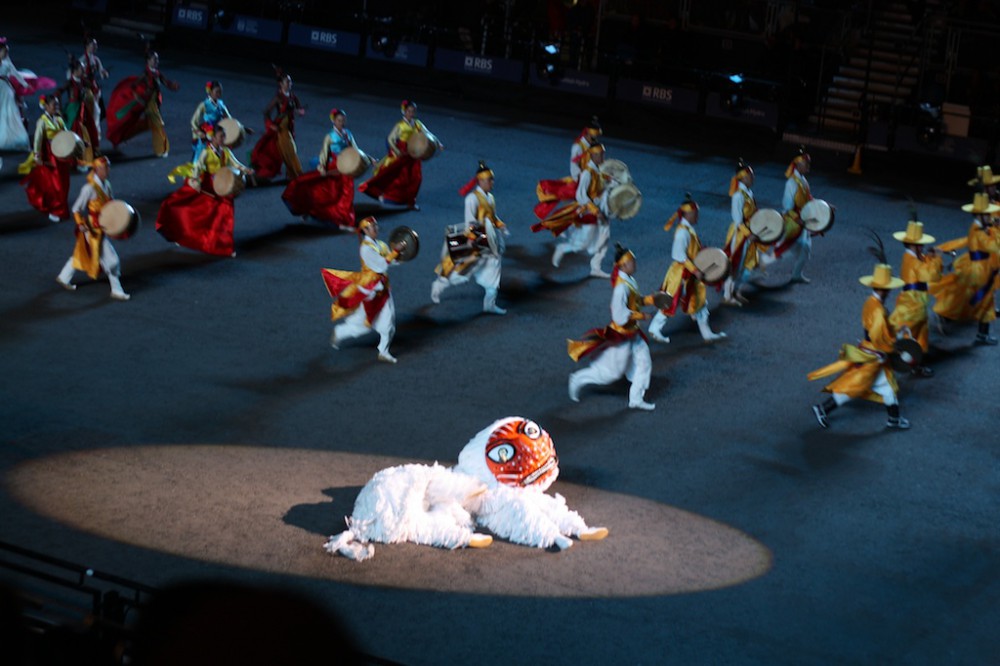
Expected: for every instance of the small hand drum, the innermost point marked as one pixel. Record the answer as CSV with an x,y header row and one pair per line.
x,y
662,300
767,225
713,263
408,239
817,216
351,163
617,171
235,134
67,145
907,354
118,219
420,147
228,183
624,201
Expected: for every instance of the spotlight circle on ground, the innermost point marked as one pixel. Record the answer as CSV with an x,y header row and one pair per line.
x,y
271,509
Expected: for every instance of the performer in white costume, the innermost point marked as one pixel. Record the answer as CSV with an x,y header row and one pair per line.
x,y
13,132
486,233
621,345
683,281
590,231
362,299
93,250
499,484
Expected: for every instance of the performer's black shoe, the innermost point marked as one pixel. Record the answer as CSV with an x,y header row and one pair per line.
x,y
922,371
986,339
820,415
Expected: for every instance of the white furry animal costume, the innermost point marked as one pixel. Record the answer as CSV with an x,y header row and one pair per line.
x,y
499,484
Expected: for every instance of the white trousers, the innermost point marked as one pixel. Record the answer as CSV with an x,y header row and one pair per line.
x,y
110,264
630,359
486,273
354,325
592,238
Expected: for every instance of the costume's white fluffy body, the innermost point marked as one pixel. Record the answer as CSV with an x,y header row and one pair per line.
x,y
440,506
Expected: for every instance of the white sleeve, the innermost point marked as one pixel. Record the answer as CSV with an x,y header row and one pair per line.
x,y
373,259
582,187
682,238
736,209
471,208
86,194
574,164
620,314
788,200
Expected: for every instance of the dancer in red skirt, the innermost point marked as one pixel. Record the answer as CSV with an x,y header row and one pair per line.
x,y
135,106
79,111
196,215
46,178
398,176
327,194
277,145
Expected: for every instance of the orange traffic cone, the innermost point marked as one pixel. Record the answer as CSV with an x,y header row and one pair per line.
x,y
856,167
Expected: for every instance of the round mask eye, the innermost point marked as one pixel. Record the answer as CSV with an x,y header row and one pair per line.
x,y
532,430
501,453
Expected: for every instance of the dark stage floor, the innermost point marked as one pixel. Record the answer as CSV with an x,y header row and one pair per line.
x,y
207,429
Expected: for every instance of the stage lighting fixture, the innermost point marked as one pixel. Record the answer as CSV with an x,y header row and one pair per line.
x,y
382,39
223,19
930,124
549,66
731,96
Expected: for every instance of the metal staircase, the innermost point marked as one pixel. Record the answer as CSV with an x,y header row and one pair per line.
x,y
881,70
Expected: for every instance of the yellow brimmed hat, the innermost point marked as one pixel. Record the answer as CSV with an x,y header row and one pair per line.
x,y
984,176
981,204
914,234
881,278
365,223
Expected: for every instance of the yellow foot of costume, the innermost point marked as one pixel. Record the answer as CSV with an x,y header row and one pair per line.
x,y
593,534
480,541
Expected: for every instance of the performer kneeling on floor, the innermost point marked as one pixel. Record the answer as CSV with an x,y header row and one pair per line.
x,y
485,233
620,347
866,370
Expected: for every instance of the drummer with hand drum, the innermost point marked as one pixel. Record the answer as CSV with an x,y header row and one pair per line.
x,y
685,280
93,250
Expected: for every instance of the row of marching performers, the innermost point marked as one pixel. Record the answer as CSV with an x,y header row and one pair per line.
x,y
899,341
135,106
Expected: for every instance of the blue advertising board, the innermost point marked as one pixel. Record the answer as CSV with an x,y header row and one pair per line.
x,y
190,17
750,110
486,66
674,98
405,53
252,27
583,83
325,39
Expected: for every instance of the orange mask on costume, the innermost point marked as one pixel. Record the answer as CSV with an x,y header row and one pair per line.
x,y
520,454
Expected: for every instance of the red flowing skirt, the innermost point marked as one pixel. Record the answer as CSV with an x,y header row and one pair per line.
x,y
198,220
126,117
551,193
47,187
265,158
398,181
327,198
